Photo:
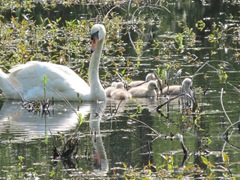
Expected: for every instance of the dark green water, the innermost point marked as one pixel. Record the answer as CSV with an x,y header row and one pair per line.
x,y
107,141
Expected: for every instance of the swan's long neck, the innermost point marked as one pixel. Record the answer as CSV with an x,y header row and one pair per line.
x,y
97,91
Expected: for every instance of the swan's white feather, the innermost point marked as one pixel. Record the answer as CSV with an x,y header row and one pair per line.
x,y
60,81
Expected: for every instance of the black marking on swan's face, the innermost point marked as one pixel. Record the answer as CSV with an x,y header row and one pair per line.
x,y
98,33
95,34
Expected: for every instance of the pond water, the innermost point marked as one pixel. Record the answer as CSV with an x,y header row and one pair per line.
x,y
131,139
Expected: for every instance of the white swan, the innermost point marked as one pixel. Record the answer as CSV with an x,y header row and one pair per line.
x,y
145,92
178,89
26,81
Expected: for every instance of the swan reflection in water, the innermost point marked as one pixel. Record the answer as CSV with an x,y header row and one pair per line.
x,y
28,125
25,125
100,157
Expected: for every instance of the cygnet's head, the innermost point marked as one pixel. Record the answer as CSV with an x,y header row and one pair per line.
x,y
152,85
186,84
114,84
149,77
119,85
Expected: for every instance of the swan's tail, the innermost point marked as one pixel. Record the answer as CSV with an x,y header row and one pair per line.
x,y
7,88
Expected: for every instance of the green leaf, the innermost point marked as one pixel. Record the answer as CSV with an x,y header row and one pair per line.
x,y
81,119
52,173
139,108
206,162
31,169
200,25
20,158
225,158
44,79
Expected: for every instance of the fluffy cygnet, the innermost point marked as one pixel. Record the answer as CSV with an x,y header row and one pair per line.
x,y
145,92
178,89
120,93
109,89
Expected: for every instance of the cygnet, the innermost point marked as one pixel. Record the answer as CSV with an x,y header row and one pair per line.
x,y
145,92
109,89
120,93
178,89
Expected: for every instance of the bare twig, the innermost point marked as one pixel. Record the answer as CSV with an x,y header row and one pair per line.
x,y
15,90
131,41
122,80
234,87
66,101
238,122
156,132
151,6
207,63
223,107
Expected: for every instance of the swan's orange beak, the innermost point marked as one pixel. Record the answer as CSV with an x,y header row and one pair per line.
x,y
94,44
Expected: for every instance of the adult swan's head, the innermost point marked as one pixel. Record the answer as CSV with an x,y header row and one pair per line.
x,y
98,34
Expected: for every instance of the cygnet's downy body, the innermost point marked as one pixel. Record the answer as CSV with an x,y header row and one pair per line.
x,y
109,89
179,89
120,93
145,92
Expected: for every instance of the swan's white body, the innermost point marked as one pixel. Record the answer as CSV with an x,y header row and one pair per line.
x,y
178,89
26,81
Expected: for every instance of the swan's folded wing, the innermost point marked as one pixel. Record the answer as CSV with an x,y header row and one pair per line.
x,y
60,78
